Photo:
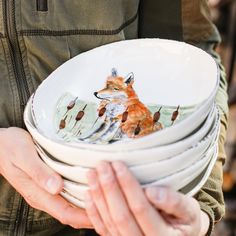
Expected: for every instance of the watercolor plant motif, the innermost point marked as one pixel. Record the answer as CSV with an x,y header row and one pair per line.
x,y
120,114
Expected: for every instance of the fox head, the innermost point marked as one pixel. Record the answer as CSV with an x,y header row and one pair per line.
x,y
117,87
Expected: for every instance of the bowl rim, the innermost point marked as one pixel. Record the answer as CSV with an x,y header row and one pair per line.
x,y
127,145
81,188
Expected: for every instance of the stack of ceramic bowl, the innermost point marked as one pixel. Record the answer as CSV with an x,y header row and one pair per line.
x,y
73,114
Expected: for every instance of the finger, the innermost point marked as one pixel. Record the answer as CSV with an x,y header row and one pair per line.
x,y
94,216
116,202
29,161
148,217
100,203
173,203
54,205
17,147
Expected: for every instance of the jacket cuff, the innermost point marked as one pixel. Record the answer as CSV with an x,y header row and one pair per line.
x,y
204,207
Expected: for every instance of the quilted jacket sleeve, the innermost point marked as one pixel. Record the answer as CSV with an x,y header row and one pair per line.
x,y
199,30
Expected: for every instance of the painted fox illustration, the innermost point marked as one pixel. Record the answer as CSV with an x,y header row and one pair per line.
x,y
121,104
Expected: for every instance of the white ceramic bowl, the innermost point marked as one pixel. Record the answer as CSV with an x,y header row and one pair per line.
x,y
181,178
188,181
193,187
72,199
143,172
90,158
77,190
76,196
166,72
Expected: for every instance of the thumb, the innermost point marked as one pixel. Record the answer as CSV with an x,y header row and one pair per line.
x,y
29,162
18,150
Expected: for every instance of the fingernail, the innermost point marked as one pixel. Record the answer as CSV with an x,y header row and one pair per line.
x,y
119,167
53,185
105,171
156,194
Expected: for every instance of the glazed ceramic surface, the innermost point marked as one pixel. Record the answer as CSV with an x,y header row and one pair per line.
x,y
90,158
188,181
164,73
143,172
183,177
192,188
77,120
72,199
75,189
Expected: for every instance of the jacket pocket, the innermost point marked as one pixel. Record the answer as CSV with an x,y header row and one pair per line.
x,y
42,5
70,15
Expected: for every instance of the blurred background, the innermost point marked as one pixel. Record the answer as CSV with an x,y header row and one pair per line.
x,y
224,16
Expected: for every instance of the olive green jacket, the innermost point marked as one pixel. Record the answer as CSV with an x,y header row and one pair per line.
x,y
37,36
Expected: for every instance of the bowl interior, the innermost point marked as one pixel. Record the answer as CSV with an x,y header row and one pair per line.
x,y
165,72
90,157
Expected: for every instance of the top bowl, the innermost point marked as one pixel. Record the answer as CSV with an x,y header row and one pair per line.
x,y
163,73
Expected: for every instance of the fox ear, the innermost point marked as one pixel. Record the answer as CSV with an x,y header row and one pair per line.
x,y
114,72
129,79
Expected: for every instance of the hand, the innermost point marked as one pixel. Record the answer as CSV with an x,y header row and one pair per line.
x,y
38,184
117,205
